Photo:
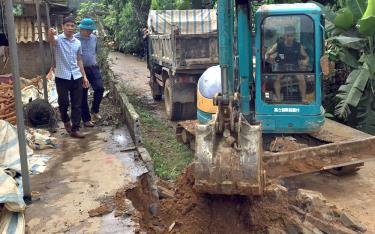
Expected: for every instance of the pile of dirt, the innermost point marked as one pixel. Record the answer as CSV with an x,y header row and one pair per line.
x,y
278,211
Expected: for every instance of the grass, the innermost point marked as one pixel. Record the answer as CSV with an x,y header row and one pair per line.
x,y
170,157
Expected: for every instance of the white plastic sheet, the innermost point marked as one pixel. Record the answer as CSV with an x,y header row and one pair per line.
x,y
11,194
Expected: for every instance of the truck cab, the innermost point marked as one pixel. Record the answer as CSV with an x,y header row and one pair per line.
x,y
288,75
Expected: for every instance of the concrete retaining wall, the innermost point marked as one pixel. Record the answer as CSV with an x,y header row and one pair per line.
x,y
133,123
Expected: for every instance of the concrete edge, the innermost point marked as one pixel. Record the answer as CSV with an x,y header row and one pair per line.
x,y
133,123
130,116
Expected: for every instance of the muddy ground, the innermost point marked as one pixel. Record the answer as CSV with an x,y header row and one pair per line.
x,y
354,193
82,175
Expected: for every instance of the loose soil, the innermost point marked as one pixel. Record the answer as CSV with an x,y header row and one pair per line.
x,y
190,212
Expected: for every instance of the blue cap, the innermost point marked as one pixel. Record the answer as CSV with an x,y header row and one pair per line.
x,y
88,24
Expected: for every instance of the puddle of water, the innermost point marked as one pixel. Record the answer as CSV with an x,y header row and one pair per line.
x,y
133,168
121,137
113,225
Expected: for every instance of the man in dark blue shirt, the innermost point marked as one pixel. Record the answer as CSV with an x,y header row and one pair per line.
x,y
291,57
89,50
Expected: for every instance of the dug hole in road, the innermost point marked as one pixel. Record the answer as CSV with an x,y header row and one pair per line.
x,y
286,208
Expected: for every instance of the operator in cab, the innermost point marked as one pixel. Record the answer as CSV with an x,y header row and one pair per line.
x,y
288,55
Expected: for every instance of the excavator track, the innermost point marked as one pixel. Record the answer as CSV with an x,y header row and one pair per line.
x,y
336,148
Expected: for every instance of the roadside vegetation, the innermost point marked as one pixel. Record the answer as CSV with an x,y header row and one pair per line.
x,y
170,157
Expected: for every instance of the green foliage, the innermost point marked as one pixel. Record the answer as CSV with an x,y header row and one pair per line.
x,y
122,19
351,41
169,156
17,10
344,19
92,10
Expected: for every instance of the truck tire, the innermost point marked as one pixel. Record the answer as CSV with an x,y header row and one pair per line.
x,y
156,90
172,108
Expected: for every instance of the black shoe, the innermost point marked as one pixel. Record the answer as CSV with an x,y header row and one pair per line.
x,y
77,134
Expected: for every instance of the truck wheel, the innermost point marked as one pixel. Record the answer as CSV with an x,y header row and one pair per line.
x,y
156,90
172,108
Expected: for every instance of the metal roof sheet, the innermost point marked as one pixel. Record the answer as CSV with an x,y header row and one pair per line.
x,y
27,30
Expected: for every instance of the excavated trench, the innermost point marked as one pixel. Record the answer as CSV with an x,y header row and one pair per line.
x,y
278,211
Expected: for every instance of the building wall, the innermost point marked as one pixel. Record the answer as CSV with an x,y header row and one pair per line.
x,y
31,60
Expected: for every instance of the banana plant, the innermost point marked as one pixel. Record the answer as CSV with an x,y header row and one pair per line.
x,y
351,33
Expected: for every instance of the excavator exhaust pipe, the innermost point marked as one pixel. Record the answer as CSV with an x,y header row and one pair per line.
x,y
228,168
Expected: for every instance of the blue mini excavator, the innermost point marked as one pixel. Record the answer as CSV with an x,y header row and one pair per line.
x,y
236,109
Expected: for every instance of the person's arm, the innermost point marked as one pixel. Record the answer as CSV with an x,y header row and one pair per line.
x,y
271,51
305,56
85,81
52,36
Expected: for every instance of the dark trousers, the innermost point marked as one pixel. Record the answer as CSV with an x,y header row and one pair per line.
x,y
73,89
95,78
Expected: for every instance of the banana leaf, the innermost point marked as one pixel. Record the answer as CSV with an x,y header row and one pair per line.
x,y
346,57
365,113
370,62
350,42
351,92
357,7
328,13
366,25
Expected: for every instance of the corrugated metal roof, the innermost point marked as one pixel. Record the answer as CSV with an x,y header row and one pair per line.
x,y
27,30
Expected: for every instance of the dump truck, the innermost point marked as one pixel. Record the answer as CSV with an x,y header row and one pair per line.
x,y
182,44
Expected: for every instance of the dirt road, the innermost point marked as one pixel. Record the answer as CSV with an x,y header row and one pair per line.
x,y
355,193
134,73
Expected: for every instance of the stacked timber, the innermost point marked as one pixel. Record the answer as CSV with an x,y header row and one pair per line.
x,y
8,101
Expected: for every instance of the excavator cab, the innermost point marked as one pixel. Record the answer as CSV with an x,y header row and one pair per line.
x,y
288,73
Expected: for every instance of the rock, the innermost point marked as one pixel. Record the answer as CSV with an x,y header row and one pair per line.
x,y
101,210
350,222
275,231
275,191
314,202
293,225
306,197
153,209
308,228
165,192
171,226
326,226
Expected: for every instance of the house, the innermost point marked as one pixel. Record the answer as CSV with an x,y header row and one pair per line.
x,y
33,61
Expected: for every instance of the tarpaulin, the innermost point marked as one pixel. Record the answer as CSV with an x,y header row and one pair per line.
x,y
197,21
11,194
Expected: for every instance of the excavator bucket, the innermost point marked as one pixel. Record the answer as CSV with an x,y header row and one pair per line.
x,y
222,167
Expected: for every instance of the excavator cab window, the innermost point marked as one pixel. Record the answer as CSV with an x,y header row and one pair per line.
x,y
288,61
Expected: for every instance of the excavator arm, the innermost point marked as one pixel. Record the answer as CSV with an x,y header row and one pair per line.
x,y
229,148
